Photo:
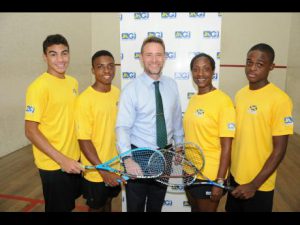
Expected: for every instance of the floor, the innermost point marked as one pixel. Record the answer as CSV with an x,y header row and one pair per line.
x,y
21,187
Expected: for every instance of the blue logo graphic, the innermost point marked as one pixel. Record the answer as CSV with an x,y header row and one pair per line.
x,y
137,55
231,126
182,34
30,109
121,16
129,75
215,76
141,16
155,34
181,75
168,202
218,55
197,14
211,34
122,56
168,15
288,120
128,36
171,55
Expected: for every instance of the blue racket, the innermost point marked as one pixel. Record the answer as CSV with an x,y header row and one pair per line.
x,y
141,163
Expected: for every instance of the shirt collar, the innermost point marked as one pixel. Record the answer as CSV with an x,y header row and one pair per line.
x,y
149,81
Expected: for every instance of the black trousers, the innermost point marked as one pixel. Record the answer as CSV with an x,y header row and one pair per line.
x,y
145,194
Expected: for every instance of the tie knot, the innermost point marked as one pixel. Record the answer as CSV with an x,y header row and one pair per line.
x,y
156,83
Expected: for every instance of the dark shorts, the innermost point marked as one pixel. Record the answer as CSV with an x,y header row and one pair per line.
x,y
60,190
96,193
262,201
200,191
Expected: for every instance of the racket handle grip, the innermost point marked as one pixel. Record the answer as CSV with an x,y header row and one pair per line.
x,y
125,177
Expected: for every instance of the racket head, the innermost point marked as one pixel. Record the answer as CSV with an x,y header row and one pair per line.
x,y
193,153
179,172
150,161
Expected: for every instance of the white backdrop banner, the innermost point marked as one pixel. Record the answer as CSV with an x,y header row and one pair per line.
x,y
185,35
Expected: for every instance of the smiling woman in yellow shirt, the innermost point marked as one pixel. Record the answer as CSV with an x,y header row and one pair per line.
x,y
209,122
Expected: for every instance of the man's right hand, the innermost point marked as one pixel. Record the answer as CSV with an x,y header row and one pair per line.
x,y
132,168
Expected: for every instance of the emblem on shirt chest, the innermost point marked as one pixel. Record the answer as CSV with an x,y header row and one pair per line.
x,y
252,109
199,112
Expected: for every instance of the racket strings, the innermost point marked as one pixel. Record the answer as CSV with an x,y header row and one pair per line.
x,y
144,163
178,172
183,164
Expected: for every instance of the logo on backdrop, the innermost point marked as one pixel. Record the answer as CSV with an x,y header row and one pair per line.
x,y
211,34
141,16
196,14
182,34
137,55
190,94
218,55
128,36
129,75
171,55
155,34
215,76
168,202
181,75
168,15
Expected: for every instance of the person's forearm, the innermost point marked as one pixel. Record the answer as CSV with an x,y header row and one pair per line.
x,y
272,163
225,156
89,151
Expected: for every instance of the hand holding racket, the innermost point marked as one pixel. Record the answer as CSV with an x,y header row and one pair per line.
x,y
151,164
132,167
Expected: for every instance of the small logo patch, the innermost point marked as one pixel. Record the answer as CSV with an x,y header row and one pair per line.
x,y
252,109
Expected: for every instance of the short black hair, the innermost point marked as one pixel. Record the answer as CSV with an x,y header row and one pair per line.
x,y
54,39
211,60
264,48
101,53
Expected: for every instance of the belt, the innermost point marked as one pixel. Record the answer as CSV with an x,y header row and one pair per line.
x,y
166,147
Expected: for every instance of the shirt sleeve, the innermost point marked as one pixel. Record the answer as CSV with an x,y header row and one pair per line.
x,y
178,135
36,101
227,119
125,119
282,120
